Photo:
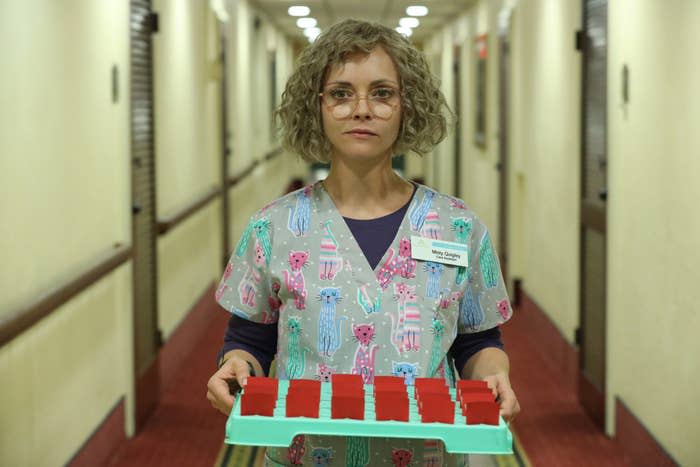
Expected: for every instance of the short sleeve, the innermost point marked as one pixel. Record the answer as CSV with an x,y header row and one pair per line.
x,y
246,289
484,304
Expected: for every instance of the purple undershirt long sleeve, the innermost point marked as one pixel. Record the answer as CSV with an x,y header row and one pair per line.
x,y
374,237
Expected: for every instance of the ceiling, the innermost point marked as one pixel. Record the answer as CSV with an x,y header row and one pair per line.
x,y
387,12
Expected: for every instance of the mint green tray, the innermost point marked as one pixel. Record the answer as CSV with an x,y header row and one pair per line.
x,y
278,430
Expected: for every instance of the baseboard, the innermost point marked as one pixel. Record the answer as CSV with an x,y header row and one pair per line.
x,y
104,441
110,434
636,441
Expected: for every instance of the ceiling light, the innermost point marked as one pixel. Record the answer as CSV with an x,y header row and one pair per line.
x,y
304,23
312,33
299,10
405,31
417,10
409,22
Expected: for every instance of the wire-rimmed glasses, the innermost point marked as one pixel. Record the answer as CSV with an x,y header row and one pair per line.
x,y
341,101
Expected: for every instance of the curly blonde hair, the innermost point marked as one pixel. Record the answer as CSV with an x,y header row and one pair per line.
x,y
423,123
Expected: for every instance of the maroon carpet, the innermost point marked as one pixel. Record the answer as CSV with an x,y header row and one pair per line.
x,y
184,430
552,427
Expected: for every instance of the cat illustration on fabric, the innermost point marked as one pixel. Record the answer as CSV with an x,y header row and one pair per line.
x,y
223,286
248,287
274,303
470,311
503,308
408,371
487,262
321,456
294,280
456,202
329,329
401,264
431,226
296,450
296,361
330,262
434,270
405,330
357,451
401,457
365,353
462,227
436,355
300,213
432,453
419,211
368,305
448,299
407,266
324,372
260,259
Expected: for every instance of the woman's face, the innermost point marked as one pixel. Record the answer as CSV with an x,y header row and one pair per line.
x,y
369,131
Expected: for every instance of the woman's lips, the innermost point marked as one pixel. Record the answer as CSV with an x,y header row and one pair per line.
x,y
361,134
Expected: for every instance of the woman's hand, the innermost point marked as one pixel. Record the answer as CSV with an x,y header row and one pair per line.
x,y
504,394
226,382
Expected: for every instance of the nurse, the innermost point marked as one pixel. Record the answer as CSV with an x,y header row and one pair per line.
x,y
329,278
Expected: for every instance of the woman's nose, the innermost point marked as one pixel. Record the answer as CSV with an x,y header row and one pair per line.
x,y
362,109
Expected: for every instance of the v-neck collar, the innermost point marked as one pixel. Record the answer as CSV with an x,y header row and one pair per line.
x,y
326,203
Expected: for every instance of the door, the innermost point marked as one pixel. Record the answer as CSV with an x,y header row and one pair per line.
x,y
147,339
592,330
225,146
502,165
457,84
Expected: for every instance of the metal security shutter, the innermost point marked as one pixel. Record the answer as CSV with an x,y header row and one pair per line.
x,y
594,194
146,336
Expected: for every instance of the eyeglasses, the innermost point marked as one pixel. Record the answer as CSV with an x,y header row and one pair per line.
x,y
342,101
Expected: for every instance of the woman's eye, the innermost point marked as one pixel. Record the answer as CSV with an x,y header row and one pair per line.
x,y
383,93
341,94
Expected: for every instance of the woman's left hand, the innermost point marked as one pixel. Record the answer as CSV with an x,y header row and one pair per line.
x,y
504,394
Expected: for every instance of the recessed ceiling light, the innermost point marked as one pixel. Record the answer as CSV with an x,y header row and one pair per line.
x,y
405,31
312,33
304,23
417,10
299,10
409,22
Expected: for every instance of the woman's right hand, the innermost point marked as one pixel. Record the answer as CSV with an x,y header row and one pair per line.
x,y
226,382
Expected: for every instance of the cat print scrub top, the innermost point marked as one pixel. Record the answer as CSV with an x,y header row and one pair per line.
x,y
298,265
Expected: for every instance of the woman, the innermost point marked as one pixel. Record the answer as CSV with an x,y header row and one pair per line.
x,y
326,275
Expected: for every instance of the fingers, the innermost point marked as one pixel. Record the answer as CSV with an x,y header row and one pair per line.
x,y
239,370
510,407
505,396
232,375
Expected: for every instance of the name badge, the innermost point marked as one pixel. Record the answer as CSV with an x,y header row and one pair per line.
x,y
439,251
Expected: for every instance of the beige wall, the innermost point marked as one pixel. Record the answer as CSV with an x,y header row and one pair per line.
x,y
63,182
653,240
64,199
188,152
653,222
66,194
545,155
